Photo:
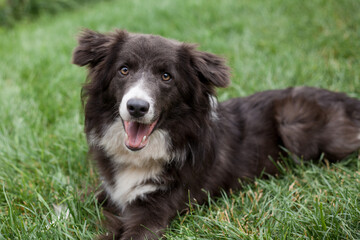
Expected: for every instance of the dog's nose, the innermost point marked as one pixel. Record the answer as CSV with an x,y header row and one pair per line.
x,y
137,107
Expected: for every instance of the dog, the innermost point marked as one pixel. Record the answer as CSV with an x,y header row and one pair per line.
x,y
160,138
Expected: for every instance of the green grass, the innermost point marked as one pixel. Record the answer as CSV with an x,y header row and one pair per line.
x,y
12,11
268,44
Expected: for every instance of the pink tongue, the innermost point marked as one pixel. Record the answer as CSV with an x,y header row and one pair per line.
x,y
136,132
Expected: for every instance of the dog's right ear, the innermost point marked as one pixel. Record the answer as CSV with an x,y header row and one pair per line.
x,y
92,48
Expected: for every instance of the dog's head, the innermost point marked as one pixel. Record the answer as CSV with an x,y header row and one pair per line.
x,y
150,82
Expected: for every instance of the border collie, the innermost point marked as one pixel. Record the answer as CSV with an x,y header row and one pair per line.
x,y
160,137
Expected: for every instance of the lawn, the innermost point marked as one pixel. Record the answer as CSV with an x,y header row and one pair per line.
x,y
268,44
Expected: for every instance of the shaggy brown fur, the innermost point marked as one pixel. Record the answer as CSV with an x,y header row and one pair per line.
x,y
207,145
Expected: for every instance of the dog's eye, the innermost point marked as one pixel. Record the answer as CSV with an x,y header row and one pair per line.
x,y
124,71
166,77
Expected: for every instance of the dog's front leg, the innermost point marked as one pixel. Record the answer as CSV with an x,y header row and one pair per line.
x,y
148,218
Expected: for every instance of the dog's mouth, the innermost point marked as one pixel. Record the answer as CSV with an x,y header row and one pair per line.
x,y
137,134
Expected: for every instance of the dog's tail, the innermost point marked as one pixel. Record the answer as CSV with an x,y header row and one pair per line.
x,y
320,122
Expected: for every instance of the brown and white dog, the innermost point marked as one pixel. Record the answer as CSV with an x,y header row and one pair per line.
x,y
157,133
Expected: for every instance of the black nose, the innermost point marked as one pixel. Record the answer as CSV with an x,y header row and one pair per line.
x,y
137,107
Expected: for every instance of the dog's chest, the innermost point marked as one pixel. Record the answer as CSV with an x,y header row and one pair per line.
x,y
130,183
135,174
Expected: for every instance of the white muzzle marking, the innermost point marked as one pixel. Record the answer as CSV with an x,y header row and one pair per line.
x,y
139,91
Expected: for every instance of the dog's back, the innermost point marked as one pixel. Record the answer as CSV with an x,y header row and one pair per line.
x,y
304,122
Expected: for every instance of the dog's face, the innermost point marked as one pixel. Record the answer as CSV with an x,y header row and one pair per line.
x,y
148,79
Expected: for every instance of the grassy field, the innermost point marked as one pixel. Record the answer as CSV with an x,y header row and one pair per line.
x,y
268,44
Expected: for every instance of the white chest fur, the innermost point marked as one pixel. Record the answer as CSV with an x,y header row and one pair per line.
x,y
132,169
130,184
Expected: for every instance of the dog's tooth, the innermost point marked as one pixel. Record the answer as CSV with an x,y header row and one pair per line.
x,y
143,140
126,136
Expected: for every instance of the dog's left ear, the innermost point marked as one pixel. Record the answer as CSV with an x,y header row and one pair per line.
x,y
210,68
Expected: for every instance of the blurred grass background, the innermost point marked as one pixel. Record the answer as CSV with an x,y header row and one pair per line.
x,y
268,44
12,11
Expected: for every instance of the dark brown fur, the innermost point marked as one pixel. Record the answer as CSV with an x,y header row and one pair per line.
x,y
211,152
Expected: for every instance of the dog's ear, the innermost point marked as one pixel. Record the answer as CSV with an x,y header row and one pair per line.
x,y
210,68
92,49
